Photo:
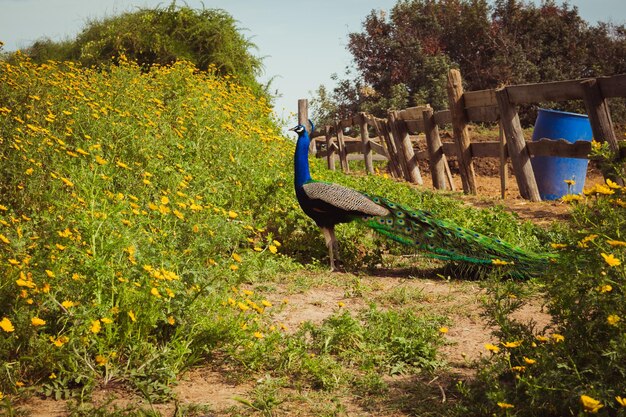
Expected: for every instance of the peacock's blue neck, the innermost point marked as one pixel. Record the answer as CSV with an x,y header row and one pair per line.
x,y
301,160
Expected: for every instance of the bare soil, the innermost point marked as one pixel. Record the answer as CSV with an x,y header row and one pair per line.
x,y
460,301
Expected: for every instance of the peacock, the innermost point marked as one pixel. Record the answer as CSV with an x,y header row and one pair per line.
x,y
329,204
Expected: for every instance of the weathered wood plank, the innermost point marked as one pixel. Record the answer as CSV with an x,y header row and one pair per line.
x,y
415,126
483,114
553,91
412,113
480,98
599,114
331,149
614,86
435,155
359,157
443,117
518,151
461,132
365,144
562,148
379,149
405,149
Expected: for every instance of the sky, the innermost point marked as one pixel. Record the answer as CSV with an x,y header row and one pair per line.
x,y
302,42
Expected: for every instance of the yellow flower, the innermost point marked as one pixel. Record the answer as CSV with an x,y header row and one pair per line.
x,y
154,291
558,337
605,288
132,316
273,248
242,306
613,319
616,243
558,245
505,405
106,320
25,283
621,401
36,321
4,239
68,304
266,303
511,345
276,243
50,273
67,182
171,320
236,257
610,259
443,330
589,404
95,327
101,360
232,214
612,184
100,160
529,361
570,182
518,368
60,341
234,267
258,335
492,348
568,198
6,325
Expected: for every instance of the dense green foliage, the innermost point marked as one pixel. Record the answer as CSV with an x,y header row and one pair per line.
x,y
577,363
402,58
209,38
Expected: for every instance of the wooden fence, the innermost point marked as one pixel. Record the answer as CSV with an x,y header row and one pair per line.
x,y
395,136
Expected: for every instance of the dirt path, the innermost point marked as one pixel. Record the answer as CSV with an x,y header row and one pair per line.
x,y
459,301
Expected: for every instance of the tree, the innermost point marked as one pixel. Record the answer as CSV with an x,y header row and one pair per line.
x,y
207,37
511,42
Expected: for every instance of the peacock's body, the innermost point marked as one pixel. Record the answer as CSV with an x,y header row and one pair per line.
x,y
330,204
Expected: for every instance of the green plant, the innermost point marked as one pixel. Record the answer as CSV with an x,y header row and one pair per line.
x,y
576,364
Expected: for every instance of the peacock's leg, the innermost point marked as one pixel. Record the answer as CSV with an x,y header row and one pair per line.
x,y
331,244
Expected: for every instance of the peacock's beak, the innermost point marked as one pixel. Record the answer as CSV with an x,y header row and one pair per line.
x,y
293,129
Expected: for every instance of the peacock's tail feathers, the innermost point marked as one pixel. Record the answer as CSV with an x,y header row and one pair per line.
x,y
447,241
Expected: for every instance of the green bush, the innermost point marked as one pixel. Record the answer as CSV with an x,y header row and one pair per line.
x,y
578,363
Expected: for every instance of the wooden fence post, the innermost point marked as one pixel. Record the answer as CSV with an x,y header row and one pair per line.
x,y
343,154
436,157
365,141
503,168
599,114
601,123
405,149
382,129
517,147
460,130
303,119
331,148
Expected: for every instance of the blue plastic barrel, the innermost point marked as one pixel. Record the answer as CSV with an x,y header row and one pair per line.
x,y
551,172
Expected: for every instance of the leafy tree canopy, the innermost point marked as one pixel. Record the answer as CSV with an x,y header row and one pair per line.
x,y
402,58
207,37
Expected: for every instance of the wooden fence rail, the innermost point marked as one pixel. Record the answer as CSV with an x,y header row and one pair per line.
x,y
394,138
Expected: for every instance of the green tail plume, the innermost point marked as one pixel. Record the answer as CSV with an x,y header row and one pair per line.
x,y
444,240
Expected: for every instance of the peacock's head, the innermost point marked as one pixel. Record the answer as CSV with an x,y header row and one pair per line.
x,y
301,129
298,129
